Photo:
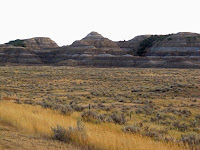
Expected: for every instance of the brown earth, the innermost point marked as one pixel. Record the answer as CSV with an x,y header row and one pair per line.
x,y
40,43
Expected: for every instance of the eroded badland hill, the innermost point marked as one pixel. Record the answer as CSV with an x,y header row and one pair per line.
x,y
181,50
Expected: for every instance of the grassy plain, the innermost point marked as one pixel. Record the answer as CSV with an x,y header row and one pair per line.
x,y
129,108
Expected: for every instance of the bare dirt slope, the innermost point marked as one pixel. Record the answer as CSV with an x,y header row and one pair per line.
x,y
12,139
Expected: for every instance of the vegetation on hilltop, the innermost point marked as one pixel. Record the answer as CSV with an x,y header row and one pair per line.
x,y
148,42
17,42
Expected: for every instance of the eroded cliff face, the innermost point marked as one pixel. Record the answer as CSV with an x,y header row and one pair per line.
x,y
181,44
88,50
96,40
181,50
17,55
39,43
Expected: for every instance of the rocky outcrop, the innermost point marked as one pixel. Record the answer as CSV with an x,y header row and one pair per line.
x,y
17,55
180,44
27,51
181,50
95,40
40,43
89,49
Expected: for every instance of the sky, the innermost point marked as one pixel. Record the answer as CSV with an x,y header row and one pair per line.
x,y
65,21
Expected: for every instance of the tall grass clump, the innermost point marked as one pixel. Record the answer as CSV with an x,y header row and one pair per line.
x,y
72,134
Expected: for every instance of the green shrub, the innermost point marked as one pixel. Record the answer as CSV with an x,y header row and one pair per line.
x,y
90,116
60,133
155,133
181,126
132,129
94,117
17,42
169,39
77,107
62,108
118,118
191,139
147,43
76,135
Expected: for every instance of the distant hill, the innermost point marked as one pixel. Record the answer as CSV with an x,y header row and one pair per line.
x,y
17,55
34,43
181,50
95,39
133,44
22,51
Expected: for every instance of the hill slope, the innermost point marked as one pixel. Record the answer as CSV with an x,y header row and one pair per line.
x,y
17,55
11,138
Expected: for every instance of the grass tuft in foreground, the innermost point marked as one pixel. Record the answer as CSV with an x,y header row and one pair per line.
x,y
73,135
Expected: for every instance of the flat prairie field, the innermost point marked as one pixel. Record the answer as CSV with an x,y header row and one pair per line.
x,y
114,108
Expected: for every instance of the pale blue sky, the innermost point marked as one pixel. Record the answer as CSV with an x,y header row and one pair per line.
x,y
68,20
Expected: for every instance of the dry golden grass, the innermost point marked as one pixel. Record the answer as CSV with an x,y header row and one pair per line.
x,y
13,139
38,121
